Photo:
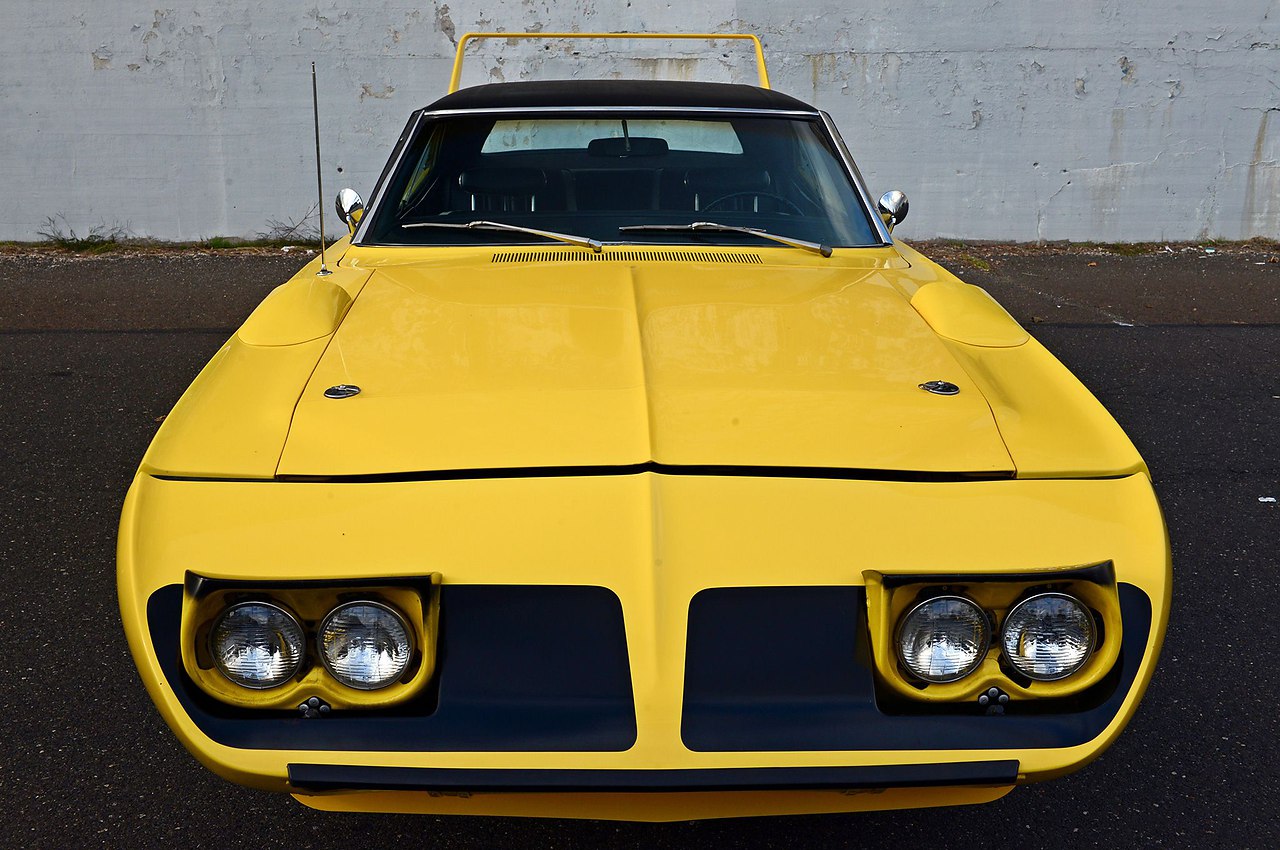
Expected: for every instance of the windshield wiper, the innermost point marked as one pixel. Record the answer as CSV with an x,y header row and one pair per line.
x,y
580,241
816,247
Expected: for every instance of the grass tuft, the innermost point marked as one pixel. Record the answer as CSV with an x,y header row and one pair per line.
x,y
235,243
222,242
99,240
1129,249
976,262
288,231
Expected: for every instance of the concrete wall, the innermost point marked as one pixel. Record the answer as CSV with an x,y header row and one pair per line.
x,y
1108,120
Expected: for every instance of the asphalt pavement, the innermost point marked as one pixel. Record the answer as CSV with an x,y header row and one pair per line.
x,y
1182,347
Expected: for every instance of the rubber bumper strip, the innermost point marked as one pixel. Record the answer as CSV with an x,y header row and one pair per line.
x,y
330,777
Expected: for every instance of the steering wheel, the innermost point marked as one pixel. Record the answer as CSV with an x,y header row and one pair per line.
x,y
784,202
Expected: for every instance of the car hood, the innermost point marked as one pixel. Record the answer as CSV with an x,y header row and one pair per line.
x,y
606,364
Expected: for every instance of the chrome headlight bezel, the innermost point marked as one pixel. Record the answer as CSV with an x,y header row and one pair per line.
x,y
292,623
348,681
1013,658
982,645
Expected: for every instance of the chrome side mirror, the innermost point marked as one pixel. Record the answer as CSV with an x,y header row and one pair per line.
x,y
893,208
351,208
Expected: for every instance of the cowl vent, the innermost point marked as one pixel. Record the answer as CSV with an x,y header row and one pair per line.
x,y
626,257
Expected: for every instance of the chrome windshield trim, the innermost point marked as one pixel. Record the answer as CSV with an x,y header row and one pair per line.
x,y
856,176
379,189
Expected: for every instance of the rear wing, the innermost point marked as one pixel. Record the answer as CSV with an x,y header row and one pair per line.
x,y
761,72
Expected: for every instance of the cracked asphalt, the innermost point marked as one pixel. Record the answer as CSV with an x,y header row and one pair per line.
x,y
1183,348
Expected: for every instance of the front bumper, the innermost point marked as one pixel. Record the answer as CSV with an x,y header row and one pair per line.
x,y
572,656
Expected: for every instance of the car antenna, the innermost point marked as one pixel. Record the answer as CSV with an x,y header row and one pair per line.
x,y
315,114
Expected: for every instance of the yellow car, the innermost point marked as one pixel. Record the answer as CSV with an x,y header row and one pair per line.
x,y
622,464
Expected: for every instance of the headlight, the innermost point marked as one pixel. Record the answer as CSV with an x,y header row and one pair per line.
x,y
943,639
365,645
1048,637
257,644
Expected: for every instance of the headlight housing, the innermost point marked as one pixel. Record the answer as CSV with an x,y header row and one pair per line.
x,y
1048,636
257,645
943,639
365,645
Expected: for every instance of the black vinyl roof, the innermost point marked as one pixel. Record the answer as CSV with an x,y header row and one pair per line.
x,y
605,93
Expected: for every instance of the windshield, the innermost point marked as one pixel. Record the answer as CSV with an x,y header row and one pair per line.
x,y
590,175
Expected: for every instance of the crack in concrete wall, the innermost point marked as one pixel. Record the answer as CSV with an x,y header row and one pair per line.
x,y
1095,120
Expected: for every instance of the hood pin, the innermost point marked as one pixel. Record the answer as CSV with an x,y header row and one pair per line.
x,y
940,387
343,391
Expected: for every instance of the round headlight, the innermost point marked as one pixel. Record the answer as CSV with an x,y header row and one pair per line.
x,y
365,645
1048,636
943,639
257,644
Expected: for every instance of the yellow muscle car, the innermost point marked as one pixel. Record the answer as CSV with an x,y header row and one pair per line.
x,y
624,465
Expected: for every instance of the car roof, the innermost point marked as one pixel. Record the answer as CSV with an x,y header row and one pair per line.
x,y
607,93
